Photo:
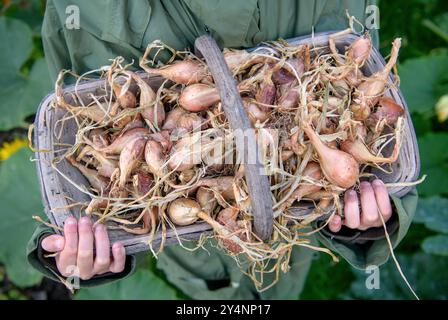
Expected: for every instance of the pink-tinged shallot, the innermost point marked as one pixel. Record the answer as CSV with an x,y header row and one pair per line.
x,y
289,98
254,112
186,153
153,110
206,198
99,137
223,185
388,111
198,97
96,181
118,144
339,167
266,92
285,74
106,166
155,158
313,171
172,118
162,137
359,50
142,183
130,157
361,153
150,217
372,87
184,72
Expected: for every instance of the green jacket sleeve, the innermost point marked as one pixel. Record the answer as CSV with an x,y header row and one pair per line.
x,y
47,266
361,252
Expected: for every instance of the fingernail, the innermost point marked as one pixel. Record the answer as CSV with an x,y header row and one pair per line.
x,y
70,221
84,220
100,227
352,193
364,184
378,183
59,244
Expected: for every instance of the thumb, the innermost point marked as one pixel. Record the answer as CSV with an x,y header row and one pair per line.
x,y
53,243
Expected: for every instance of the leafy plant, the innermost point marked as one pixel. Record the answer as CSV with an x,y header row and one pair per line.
x,y
21,92
20,199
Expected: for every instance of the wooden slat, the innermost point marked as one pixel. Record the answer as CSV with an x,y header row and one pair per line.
x,y
257,183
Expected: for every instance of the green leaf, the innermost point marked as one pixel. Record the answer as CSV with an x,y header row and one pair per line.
x,y
433,212
434,158
324,273
142,285
15,43
20,200
20,93
426,273
420,82
436,245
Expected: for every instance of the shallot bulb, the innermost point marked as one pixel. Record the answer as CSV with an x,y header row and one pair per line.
x,y
223,185
142,183
130,156
118,144
150,217
289,98
99,138
184,72
184,212
96,181
312,170
359,50
155,158
285,75
254,112
172,118
185,154
153,110
339,167
198,97
206,198
388,111
362,155
372,87
106,166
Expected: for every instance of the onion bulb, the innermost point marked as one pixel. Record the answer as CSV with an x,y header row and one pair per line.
x,y
184,212
198,97
183,71
339,167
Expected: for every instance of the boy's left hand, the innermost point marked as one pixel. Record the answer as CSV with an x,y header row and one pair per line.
x,y
373,196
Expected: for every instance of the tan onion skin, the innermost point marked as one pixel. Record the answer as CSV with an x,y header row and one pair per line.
x,y
183,72
130,156
206,198
154,157
362,155
117,146
198,97
183,211
359,50
387,110
312,170
339,167
172,118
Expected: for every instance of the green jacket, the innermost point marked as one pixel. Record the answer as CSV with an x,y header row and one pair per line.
x,y
109,28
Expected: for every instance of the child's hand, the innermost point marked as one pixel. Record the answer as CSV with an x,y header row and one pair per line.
x,y
373,196
75,250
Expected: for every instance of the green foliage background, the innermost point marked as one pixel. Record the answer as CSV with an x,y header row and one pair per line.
x,y
423,68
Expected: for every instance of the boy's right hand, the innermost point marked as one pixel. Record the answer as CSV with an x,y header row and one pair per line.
x,y
75,250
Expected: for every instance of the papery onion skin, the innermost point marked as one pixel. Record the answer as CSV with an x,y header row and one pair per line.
x,y
339,167
198,97
183,211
